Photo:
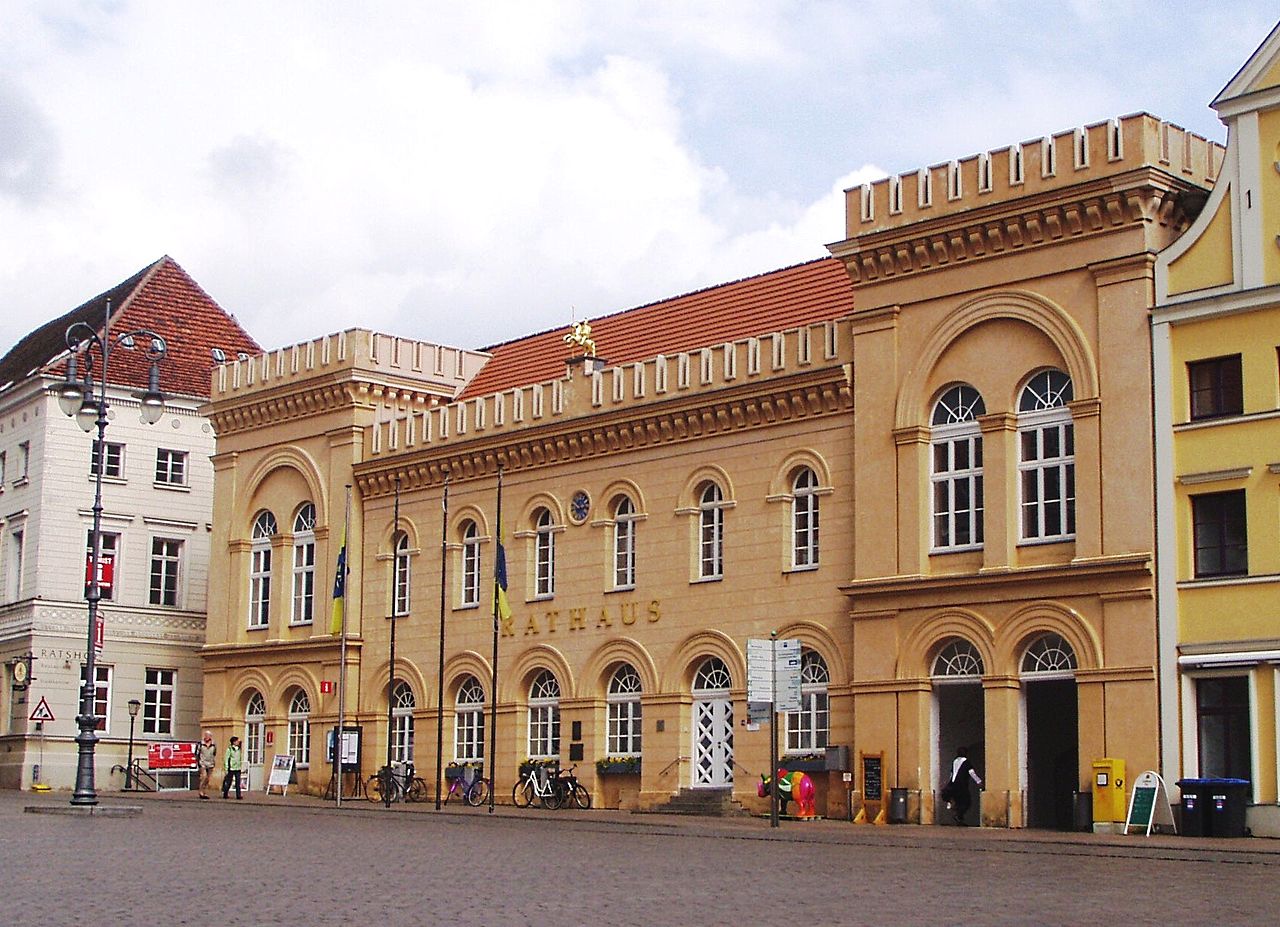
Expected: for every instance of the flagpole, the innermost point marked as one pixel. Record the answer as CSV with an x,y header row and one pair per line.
x,y
391,664
493,682
444,567
341,579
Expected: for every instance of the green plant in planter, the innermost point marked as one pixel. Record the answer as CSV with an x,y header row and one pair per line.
x,y
456,770
803,762
618,765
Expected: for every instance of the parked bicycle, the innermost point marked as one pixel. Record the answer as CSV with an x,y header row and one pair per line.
x,y
403,786
571,791
536,786
471,787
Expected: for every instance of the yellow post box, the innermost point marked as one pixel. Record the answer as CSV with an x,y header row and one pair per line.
x,y
1108,791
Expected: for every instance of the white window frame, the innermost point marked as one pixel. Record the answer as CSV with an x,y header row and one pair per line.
x,y
1044,422
955,470
114,469
805,520
300,729
468,721
17,553
401,589
264,529
166,572
402,724
624,544
544,555
24,462
101,695
544,717
711,509
255,722
159,697
625,714
470,564
809,729
171,467
303,606
108,546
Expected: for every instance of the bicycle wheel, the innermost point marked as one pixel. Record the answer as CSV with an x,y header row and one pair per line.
x,y
373,788
522,794
553,799
417,790
581,797
478,794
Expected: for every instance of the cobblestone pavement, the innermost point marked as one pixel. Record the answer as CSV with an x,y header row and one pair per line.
x,y
273,860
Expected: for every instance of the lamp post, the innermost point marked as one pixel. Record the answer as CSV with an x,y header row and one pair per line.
x,y
134,705
77,398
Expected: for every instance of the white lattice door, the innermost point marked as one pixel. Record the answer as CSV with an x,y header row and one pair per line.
x,y
712,743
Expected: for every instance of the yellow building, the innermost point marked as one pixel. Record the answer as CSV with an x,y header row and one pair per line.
x,y
1217,389
927,458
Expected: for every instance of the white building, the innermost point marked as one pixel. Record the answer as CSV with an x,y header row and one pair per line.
x,y
157,510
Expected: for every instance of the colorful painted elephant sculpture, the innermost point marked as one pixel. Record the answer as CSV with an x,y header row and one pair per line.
x,y
792,786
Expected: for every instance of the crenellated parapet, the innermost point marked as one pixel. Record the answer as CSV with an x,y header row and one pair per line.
x,y
741,384
1098,178
353,367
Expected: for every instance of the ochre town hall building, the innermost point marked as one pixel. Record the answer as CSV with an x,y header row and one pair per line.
x,y
928,457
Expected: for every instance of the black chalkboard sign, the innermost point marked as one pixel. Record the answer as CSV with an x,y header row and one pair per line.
x,y
873,777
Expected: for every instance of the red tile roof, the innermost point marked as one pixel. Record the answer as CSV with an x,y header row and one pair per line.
x,y
162,298
782,299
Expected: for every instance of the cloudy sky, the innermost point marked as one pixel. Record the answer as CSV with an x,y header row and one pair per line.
x,y
470,172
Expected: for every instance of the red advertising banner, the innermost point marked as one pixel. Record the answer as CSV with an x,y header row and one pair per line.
x,y
173,755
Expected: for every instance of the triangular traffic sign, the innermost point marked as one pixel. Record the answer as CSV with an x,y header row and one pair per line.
x,y
42,712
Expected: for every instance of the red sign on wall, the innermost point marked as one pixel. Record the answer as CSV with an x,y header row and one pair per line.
x,y
173,755
326,686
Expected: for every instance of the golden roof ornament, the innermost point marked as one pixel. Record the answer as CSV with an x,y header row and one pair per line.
x,y
581,338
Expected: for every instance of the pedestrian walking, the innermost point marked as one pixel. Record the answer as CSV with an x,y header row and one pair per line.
x,y
956,793
233,763
206,759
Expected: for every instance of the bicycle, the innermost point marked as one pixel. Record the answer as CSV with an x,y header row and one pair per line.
x,y
571,790
471,788
536,784
402,786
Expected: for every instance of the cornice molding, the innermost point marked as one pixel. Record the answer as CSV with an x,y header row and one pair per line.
x,y
822,392
1139,197
309,400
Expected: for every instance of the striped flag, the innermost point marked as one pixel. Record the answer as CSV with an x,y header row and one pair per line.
x,y
340,589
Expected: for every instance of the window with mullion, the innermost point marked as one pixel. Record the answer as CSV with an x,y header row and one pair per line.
x,y
108,563
624,545
166,560
468,727
300,729
171,467
1220,534
470,564
1047,480
264,529
545,555
544,717
400,581
804,511
624,727
1216,387
957,491
157,701
402,724
809,728
114,454
101,695
711,533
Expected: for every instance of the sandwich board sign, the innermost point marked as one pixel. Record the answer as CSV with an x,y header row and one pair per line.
x,y
1149,804
281,770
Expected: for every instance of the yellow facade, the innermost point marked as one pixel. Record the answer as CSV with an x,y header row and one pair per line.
x,y
1002,600
1217,389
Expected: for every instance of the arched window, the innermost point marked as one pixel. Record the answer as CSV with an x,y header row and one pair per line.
x,y
264,529
956,469
544,717
804,519
402,706
809,728
958,659
1046,458
1049,655
470,563
624,712
400,575
544,554
304,564
468,724
712,677
624,544
255,715
300,729
711,532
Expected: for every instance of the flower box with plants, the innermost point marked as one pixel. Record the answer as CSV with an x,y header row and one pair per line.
x,y
458,770
618,766
803,762
549,765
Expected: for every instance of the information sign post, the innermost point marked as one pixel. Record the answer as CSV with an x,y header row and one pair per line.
x,y
773,685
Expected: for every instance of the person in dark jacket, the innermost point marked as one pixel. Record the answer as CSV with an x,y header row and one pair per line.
x,y
958,793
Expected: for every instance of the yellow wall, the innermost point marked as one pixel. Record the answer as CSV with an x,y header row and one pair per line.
x,y
1208,262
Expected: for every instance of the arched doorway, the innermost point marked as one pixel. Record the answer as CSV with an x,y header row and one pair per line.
x,y
255,716
712,726
1051,731
959,715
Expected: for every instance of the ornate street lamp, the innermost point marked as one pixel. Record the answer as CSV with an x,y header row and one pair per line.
x,y
134,706
77,398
